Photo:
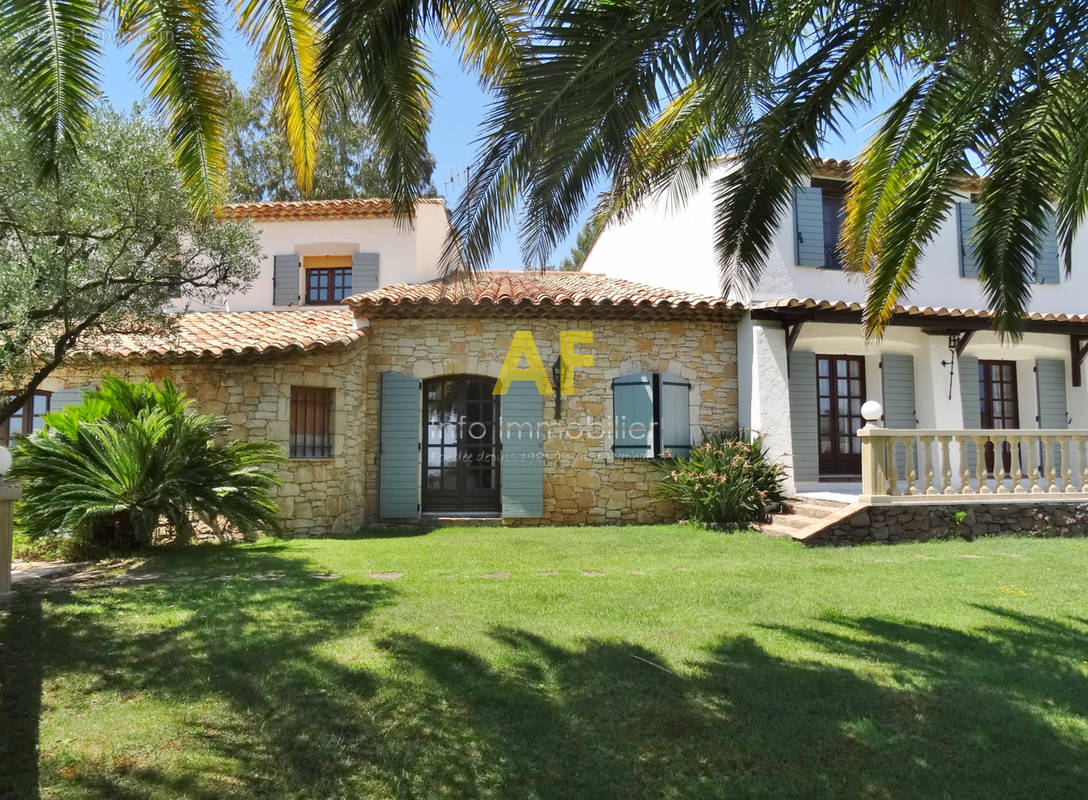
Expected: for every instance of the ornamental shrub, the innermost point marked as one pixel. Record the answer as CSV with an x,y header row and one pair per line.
x,y
130,463
726,482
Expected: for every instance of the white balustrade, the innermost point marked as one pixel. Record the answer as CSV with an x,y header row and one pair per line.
x,y
975,466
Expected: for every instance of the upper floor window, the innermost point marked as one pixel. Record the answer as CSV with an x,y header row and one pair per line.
x,y
833,206
328,279
28,419
818,215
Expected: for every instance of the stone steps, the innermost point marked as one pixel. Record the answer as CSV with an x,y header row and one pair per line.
x,y
801,517
444,521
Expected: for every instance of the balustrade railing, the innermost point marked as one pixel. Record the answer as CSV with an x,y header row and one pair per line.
x,y
915,465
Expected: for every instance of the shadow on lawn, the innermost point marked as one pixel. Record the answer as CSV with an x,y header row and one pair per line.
x,y
605,719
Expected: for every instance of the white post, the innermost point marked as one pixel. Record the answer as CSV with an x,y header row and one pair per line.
x,y
9,493
874,456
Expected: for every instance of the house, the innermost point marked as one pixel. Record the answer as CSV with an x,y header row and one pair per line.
x,y
806,369
398,395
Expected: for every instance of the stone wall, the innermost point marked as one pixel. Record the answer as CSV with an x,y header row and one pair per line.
x,y
318,496
583,482
915,523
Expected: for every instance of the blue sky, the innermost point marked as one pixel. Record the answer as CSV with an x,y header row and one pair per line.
x,y
459,107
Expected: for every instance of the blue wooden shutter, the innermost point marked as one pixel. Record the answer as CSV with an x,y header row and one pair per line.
x,y
398,469
675,414
364,272
633,405
522,436
285,280
897,388
965,217
970,401
1050,392
808,225
1046,263
1050,388
63,398
803,417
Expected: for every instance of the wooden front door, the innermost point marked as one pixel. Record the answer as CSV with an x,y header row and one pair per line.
x,y
840,391
999,404
460,444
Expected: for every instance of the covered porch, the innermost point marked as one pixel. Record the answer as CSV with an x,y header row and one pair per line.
x,y
948,389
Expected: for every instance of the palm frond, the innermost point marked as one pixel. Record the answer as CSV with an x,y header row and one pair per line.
x,y
288,41
177,55
53,52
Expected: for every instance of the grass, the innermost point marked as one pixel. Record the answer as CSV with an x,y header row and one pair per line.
x,y
685,664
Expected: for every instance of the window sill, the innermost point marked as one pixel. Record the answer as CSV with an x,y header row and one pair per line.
x,y
311,459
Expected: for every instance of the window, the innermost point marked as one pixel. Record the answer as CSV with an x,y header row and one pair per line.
x,y
28,419
328,279
311,422
833,200
650,415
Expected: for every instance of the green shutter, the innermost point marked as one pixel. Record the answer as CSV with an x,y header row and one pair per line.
x,y
965,216
970,401
1046,264
522,435
808,225
633,408
675,414
897,387
285,270
803,417
364,272
398,471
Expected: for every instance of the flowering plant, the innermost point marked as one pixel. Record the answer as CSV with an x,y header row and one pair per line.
x,y
728,481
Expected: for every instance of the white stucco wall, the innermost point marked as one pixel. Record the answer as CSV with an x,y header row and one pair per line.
x,y
408,252
674,247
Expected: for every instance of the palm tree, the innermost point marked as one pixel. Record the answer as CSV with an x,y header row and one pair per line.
x,y
316,50
648,94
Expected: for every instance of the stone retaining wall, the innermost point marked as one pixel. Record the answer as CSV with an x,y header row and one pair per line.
x,y
915,523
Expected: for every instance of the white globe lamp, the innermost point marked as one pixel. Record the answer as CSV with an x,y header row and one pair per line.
x,y
871,412
5,461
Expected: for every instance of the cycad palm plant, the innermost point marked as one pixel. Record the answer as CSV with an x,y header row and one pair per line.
x,y
131,459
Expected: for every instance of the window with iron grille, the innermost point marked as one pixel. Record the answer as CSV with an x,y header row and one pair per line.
x,y
327,285
311,422
27,419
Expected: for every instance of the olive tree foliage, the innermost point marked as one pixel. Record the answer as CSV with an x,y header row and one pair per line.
x,y
101,247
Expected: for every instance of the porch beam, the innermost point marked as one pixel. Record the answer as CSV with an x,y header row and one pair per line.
x,y
793,330
1078,348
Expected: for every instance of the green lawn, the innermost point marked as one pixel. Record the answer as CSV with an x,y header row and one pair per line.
x,y
658,662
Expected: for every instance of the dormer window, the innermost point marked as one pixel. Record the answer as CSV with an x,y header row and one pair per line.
x,y
328,279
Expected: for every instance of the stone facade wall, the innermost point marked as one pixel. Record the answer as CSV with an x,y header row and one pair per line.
x,y
916,523
583,482
318,496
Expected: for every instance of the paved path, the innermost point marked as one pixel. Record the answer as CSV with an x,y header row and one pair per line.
x,y
22,571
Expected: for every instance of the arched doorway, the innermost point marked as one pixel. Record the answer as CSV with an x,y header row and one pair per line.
x,y
460,444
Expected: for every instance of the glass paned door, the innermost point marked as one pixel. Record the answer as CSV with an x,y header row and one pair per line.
x,y
461,442
999,405
840,391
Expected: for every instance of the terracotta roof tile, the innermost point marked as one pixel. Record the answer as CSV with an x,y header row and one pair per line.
x,y
234,333
496,291
932,312
358,208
